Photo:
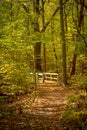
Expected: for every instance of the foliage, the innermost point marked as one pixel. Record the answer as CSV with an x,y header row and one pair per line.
x,y
15,79
75,114
19,36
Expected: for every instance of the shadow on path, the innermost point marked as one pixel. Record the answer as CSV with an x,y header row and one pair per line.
x,y
40,111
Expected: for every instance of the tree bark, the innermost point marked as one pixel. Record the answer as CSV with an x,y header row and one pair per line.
x,y
74,64
54,48
64,77
44,45
80,24
37,46
37,56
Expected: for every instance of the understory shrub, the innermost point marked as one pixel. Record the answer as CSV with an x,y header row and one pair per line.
x,y
15,80
75,114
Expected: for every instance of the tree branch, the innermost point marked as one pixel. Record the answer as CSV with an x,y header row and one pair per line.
x,y
83,38
48,22
81,2
54,13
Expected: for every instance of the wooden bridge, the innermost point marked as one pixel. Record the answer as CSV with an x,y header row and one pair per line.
x,y
47,78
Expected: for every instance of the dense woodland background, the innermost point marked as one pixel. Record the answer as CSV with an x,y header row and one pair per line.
x,y
44,36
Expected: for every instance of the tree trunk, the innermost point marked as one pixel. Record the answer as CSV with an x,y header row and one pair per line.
x,y
64,78
80,24
44,45
37,56
54,48
74,64
37,46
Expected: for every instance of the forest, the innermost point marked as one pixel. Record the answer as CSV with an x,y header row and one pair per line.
x,y
39,37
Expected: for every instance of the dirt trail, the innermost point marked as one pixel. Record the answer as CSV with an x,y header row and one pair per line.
x,y
39,111
50,100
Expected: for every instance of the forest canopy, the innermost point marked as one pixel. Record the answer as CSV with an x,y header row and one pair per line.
x,y
42,36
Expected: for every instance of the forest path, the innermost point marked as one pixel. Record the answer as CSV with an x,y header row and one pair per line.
x,y
50,100
40,111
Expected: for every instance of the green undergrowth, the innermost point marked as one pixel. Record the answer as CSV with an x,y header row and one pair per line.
x,y
14,79
75,114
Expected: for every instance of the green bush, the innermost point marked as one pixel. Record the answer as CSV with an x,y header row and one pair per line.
x,y
15,78
75,114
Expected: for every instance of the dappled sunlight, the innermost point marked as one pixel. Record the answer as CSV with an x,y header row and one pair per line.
x,y
47,101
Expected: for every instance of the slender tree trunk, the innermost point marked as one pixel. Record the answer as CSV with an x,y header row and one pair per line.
x,y
37,46
80,24
44,45
64,77
54,49
74,64
56,58
37,56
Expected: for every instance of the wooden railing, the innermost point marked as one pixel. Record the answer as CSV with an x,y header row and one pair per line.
x,y
46,77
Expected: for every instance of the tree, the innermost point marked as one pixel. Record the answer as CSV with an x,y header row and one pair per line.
x,y
80,24
44,45
63,43
37,46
